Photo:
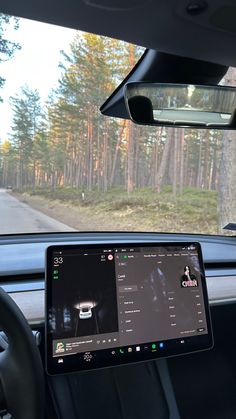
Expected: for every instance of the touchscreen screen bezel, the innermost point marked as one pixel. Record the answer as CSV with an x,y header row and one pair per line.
x,y
192,343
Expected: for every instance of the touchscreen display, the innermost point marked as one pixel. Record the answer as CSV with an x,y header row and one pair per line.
x,y
113,304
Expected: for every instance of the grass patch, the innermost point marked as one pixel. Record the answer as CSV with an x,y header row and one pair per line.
x,y
194,211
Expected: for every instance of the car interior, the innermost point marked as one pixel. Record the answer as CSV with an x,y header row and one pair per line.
x,y
129,324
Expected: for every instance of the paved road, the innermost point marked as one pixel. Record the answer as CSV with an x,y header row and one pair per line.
x,y
17,217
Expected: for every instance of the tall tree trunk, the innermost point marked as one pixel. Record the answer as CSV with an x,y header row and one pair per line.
x,y
215,174
90,153
181,173
210,175
136,154
130,135
97,162
186,162
227,178
105,159
156,156
175,162
199,169
164,160
117,149
130,157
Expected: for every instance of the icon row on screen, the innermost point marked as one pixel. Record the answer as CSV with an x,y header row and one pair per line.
x,y
139,348
101,341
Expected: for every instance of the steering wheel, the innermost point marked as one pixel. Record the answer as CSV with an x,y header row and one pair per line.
x,y
21,370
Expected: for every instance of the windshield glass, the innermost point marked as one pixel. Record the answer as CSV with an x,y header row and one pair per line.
x,y
65,167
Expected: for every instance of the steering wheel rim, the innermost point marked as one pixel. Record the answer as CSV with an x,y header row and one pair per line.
x,y
21,370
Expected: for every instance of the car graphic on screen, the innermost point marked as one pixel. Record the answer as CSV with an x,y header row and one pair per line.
x,y
85,313
85,309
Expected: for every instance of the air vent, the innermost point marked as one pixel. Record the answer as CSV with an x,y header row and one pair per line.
x,y
116,5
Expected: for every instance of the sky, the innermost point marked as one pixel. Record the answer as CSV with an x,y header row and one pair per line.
x,y
36,64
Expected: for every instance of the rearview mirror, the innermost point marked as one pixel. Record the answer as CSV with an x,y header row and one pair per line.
x,y
183,105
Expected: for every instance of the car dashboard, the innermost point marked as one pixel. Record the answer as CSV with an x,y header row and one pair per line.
x,y
164,388
22,264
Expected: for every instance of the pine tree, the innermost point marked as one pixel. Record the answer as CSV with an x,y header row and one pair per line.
x,y
26,120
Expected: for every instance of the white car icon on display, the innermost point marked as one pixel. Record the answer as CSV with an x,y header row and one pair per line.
x,y
85,309
85,312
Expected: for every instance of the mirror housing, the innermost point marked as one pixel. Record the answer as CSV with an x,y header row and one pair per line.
x,y
181,105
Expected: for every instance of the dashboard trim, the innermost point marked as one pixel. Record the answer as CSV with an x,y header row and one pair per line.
x,y
221,290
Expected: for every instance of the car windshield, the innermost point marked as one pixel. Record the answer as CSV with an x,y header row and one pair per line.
x,y
65,167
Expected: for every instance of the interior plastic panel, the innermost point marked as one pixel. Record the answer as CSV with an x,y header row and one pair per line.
x,y
132,391
202,385
205,384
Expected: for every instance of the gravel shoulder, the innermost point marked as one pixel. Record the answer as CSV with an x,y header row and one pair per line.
x,y
78,218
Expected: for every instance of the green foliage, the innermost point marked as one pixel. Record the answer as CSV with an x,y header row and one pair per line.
x,y
7,47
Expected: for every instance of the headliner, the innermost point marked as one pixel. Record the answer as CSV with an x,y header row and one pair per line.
x,y
163,25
